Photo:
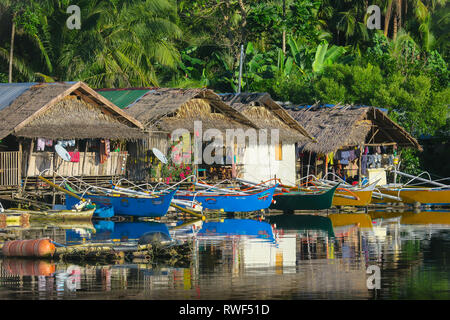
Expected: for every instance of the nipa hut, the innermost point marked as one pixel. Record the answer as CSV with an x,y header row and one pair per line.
x,y
353,142
35,117
274,157
165,111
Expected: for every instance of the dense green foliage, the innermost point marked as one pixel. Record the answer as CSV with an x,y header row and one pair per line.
x,y
303,51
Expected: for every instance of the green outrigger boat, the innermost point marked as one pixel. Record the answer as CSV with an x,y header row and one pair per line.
x,y
304,200
302,222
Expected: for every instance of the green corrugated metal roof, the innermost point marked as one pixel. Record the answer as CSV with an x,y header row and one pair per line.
x,y
122,98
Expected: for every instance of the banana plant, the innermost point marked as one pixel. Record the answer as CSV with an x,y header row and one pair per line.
x,y
326,56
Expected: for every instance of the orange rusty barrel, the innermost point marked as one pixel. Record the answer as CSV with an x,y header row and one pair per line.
x,y
29,248
24,267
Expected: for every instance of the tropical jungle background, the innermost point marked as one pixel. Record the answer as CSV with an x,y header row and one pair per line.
x,y
302,51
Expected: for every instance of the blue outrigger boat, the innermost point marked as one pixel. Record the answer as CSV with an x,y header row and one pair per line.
x,y
237,227
155,205
231,202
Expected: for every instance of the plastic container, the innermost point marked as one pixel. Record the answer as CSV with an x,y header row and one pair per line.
x,y
29,248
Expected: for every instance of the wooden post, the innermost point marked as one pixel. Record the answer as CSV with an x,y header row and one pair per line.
x,y
84,157
19,166
360,164
54,176
28,164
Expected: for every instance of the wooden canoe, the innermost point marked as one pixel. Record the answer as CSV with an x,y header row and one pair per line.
x,y
347,219
358,197
55,214
304,200
419,218
425,196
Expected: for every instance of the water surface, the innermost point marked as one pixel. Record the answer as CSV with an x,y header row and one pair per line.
x,y
287,257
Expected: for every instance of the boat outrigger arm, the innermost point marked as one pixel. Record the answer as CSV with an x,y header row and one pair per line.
x,y
83,202
421,179
260,185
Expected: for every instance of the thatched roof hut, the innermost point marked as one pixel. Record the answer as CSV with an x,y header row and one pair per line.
x,y
341,126
167,109
67,110
265,113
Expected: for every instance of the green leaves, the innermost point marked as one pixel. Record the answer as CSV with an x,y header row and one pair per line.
x,y
325,56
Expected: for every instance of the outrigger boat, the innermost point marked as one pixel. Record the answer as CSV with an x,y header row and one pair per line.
x,y
155,204
304,200
81,213
439,195
254,198
346,194
288,200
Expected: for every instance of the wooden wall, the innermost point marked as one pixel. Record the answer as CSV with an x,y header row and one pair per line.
x,y
10,171
87,166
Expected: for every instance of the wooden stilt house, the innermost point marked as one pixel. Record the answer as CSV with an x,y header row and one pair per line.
x,y
353,142
275,156
35,117
163,111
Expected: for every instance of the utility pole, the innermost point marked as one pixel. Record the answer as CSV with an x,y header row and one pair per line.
x,y
241,62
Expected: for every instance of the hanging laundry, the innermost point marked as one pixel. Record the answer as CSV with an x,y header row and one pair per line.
x,y
49,143
74,156
364,164
370,161
107,148
40,144
377,160
186,142
351,155
345,155
102,151
366,150
330,158
391,160
378,150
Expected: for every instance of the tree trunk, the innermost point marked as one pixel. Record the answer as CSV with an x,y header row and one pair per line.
x,y
244,22
394,34
11,51
284,28
387,18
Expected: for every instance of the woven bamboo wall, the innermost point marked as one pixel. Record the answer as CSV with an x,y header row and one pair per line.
x,y
10,168
87,166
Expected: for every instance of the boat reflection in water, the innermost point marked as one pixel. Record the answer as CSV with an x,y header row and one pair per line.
x,y
251,243
119,231
281,257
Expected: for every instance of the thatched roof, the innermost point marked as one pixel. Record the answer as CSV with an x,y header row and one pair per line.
x,y
166,109
340,126
64,110
263,111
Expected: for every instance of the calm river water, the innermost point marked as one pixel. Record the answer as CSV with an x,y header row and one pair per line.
x,y
336,256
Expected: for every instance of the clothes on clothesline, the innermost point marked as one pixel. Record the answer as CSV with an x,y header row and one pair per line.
x,y
364,164
40,144
74,156
67,143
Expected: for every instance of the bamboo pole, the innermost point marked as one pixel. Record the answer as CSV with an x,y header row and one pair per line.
x,y
28,164
19,166
61,189
360,164
55,160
